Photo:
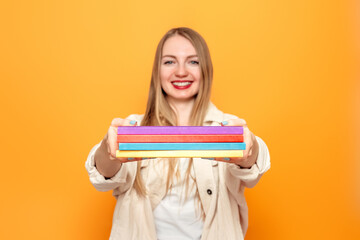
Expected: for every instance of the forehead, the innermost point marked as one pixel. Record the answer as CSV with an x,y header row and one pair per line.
x,y
178,46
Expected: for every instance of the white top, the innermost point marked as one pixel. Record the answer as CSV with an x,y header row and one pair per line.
x,y
176,219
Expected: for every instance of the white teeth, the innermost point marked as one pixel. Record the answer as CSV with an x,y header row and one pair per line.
x,y
181,83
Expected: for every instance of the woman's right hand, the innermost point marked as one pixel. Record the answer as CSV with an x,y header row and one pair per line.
x,y
105,156
111,137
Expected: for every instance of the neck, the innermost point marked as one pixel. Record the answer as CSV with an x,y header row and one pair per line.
x,y
182,109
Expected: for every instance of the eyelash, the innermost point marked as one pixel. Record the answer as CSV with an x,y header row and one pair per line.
x,y
193,62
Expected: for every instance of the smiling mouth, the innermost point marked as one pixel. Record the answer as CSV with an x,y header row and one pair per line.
x,y
182,84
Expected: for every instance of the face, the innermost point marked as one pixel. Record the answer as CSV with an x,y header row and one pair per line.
x,y
180,70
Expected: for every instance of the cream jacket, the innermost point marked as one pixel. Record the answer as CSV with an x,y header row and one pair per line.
x,y
220,185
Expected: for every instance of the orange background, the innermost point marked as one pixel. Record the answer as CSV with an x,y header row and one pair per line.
x,y
291,69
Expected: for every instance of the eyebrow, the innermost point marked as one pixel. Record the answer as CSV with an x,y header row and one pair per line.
x,y
172,56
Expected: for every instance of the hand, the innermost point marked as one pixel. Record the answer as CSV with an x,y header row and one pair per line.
x,y
252,147
105,156
111,138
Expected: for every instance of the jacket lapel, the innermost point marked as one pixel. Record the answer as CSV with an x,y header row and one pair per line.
x,y
205,179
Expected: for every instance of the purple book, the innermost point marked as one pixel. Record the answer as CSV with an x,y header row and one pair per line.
x,y
170,130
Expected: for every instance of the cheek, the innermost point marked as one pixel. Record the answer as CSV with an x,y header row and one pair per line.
x,y
197,74
164,75
164,81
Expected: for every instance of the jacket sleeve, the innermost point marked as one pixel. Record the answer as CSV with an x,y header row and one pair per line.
x,y
249,177
121,181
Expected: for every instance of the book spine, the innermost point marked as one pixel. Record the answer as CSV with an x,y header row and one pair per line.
x,y
179,138
166,130
181,146
180,153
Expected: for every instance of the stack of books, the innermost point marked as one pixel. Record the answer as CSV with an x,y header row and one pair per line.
x,y
180,141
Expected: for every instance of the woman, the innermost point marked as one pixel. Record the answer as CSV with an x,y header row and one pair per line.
x,y
179,198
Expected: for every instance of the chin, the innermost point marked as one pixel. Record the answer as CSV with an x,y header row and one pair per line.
x,y
183,98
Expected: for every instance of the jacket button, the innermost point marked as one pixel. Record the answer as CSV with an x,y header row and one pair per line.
x,y
209,191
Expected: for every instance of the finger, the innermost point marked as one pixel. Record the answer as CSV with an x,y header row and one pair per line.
x,y
231,160
246,134
124,160
112,147
129,122
112,133
234,122
239,161
108,148
130,159
224,159
248,140
117,122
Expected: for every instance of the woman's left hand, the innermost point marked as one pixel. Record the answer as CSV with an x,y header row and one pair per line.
x,y
252,147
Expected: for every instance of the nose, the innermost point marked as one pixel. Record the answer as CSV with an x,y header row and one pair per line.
x,y
181,71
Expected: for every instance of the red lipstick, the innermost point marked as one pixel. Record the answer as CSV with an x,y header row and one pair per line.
x,y
181,84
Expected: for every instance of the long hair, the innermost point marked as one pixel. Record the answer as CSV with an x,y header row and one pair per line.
x,y
158,111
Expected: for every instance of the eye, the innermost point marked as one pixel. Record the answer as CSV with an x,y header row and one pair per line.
x,y
169,62
194,62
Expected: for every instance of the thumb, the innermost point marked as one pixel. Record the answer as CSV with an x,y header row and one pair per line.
x,y
117,122
234,122
129,122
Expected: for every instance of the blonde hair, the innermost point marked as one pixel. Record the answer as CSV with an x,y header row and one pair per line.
x,y
158,111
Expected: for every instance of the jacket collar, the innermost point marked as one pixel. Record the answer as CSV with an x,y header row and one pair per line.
x,y
213,114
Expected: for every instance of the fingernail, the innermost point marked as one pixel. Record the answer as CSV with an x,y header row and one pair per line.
x,y
224,123
130,158
132,122
227,159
